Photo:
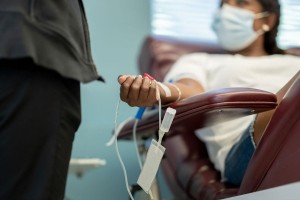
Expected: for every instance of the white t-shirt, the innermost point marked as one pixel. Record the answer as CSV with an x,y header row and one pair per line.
x,y
213,71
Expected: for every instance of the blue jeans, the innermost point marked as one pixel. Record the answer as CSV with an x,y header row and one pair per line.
x,y
238,158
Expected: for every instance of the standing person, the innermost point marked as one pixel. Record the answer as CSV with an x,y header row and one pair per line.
x,y
44,55
247,29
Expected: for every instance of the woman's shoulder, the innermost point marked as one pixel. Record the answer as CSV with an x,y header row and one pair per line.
x,y
199,56
285,57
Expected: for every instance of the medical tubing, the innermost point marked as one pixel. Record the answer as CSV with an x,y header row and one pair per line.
x,y
135,143
140,113
138,117
116,133
159,112
121,125
118,153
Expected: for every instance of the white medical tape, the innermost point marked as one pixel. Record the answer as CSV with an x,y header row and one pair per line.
x,y
165,89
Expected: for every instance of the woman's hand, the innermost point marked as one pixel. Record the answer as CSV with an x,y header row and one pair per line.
x,y
142,92
138,91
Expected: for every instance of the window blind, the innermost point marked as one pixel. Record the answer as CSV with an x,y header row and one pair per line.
x,y
289,30
191,20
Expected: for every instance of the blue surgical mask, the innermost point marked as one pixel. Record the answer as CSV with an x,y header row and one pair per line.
x,y
234,27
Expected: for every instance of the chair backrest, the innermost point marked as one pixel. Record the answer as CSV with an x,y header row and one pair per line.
x,y
158,54
277,158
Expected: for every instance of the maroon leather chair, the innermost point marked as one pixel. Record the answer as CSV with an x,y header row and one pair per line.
x,y
277,158
186,165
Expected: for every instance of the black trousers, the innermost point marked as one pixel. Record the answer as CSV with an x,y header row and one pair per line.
x,y
39,115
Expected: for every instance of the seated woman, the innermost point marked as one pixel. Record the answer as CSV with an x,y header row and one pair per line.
x,y
247,29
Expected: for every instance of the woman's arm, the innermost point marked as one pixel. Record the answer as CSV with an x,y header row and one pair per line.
x,y
142,92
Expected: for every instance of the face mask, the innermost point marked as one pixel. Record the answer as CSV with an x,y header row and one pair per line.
x,y
234,27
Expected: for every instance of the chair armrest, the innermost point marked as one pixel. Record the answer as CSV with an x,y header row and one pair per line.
x,y
206,109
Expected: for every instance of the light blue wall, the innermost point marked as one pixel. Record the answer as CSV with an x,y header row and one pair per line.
x,y
117,28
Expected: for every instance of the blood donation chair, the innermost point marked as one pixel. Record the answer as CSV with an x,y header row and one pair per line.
x,y
186,166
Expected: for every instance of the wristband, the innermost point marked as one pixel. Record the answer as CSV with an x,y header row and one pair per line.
x,y
179,92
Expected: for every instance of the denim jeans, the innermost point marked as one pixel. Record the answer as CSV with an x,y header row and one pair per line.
x,y
238,158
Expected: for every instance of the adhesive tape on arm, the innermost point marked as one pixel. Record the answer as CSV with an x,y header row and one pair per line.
x,y
165,89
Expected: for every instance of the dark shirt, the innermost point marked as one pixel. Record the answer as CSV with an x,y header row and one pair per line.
x,y
54,33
